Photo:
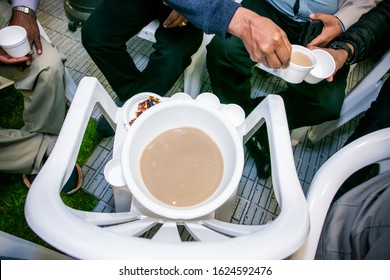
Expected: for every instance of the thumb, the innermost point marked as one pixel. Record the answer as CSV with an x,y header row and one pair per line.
x,y
318,16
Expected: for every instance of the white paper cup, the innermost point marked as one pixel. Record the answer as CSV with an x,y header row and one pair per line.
x,y
209,98
114,176
113,173
13,39
296,71
324,68
181,96
235,114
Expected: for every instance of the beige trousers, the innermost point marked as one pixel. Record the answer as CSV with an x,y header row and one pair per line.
x,y
43,89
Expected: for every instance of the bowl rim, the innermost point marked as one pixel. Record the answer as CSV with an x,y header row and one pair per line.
x,y
197,210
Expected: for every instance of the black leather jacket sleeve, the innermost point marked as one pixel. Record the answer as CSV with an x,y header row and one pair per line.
x,y
371,33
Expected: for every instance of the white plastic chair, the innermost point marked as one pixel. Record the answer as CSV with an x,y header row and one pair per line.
x,y
371,148
357,100
13,247
91,235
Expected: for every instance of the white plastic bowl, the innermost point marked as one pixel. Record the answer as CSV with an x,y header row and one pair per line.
x,y
174,114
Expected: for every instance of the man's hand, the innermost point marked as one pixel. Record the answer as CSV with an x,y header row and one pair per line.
x,y
340,57
265,42
175,20
30,24
6,59
332,29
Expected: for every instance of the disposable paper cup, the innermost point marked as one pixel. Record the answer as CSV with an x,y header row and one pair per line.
x,y
13,39
235,114
324,68
113,173
295,73
114,176
175,114
181,96
209,98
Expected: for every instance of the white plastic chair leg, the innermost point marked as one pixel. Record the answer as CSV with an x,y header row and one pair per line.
x,y
194,72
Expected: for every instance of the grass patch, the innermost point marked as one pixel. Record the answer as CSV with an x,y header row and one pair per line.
x,y
13,192
11,107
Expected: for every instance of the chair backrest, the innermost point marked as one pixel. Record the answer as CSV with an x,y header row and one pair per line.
x,y
371,148
90,235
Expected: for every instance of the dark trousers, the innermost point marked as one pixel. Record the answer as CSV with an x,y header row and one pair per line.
x,y
114,22
376,117
230,69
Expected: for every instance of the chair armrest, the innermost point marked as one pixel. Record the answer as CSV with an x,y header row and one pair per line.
x,y
366,150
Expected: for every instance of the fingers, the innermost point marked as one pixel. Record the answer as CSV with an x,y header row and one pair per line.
x,y
318,16
29,58
331,30
264,40
176,23
6,59
38,45
175,20
283,52
330,79
276,55
318,41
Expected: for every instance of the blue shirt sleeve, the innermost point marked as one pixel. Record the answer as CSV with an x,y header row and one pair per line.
x,y
212,16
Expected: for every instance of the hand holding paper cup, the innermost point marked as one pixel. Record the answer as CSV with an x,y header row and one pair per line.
x,y
324,68
13,39
302,61
311,66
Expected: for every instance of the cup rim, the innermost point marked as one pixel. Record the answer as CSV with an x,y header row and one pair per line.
x,y
308,52
109,166
332,61
13,43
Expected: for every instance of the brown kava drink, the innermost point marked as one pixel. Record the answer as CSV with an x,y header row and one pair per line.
x,y
182,166
301,59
